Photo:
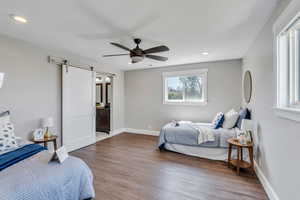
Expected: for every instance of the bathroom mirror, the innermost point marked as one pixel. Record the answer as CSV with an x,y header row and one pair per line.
x,y
247,86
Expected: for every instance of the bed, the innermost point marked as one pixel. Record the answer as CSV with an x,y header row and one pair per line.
x,y
184,138
27,174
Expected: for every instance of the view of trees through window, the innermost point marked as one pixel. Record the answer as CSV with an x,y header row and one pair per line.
x,y
185,88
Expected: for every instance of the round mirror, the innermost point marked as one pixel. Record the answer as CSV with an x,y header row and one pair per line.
x,y
247,86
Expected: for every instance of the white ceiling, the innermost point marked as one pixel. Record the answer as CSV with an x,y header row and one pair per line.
x,y
224,28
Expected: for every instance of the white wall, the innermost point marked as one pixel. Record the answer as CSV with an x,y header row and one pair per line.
x,y
144,106
32,86
278,139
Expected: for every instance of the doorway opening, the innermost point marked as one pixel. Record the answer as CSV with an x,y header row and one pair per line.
x,y
103,106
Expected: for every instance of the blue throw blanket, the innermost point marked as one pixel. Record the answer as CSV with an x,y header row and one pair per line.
x,y
18,155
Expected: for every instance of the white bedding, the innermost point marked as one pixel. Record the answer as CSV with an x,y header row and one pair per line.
x,y
213,151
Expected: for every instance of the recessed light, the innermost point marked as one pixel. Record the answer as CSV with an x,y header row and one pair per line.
x,y
19,18
205,53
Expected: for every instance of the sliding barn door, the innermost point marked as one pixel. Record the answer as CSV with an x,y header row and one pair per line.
x,y
78,108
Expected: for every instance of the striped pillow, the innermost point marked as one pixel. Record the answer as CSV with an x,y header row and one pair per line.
x,y
7,137
218,120
4,117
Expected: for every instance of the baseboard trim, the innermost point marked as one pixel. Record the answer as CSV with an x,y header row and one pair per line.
x,y
117,131
141,131
266,184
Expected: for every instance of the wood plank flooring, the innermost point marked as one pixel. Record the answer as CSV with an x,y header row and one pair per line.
x,y
129,167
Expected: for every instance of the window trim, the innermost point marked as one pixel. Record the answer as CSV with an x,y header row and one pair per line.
x,y
199,72
286,105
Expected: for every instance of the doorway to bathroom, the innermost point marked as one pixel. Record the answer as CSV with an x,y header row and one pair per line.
x,y
104,100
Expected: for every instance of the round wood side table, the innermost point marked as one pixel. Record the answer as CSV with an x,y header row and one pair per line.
x,y
239,162
46,140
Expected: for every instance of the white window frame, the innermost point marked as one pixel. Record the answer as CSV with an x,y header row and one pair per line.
x,y
287,104
1,79
201,73
294,72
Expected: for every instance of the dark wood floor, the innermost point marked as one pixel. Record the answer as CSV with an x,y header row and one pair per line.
x,y
129,167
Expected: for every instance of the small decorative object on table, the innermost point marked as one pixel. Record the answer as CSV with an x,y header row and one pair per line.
x,y
47,123
46,140
247,127
38,134
239,162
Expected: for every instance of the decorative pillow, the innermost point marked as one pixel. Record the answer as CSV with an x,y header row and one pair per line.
x,y
243,114
218,120
7,137
4,117
230,119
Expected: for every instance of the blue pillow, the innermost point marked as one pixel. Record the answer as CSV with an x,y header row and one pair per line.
x,y
218,120
243,114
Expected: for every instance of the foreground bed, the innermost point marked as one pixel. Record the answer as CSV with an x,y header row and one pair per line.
x,y
34,178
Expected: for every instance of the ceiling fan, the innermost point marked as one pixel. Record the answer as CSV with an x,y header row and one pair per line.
x,y
137,54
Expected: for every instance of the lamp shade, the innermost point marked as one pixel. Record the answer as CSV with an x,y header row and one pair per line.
x,y
1,79
247,125
47,122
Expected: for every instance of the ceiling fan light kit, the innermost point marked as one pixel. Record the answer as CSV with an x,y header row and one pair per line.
x,y
137,54
136,59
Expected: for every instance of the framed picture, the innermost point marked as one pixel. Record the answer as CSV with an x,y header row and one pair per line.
x,y
38,134
244,137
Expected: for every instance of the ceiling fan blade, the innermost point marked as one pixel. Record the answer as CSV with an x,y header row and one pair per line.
x,y
120,46
123,54
156,49
160,58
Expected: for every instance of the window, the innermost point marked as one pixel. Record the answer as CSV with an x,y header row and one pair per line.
x,y
185,87
288,43
288,68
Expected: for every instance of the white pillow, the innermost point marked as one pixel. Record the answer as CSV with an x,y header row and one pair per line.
x,y
7,137
231,118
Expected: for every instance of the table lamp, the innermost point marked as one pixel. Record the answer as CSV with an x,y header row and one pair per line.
x,y
248,127
47,123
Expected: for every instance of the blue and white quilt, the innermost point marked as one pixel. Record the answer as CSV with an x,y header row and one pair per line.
x,y
34,178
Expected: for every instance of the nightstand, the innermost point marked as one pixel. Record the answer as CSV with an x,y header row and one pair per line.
x,y
239,162
46,140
